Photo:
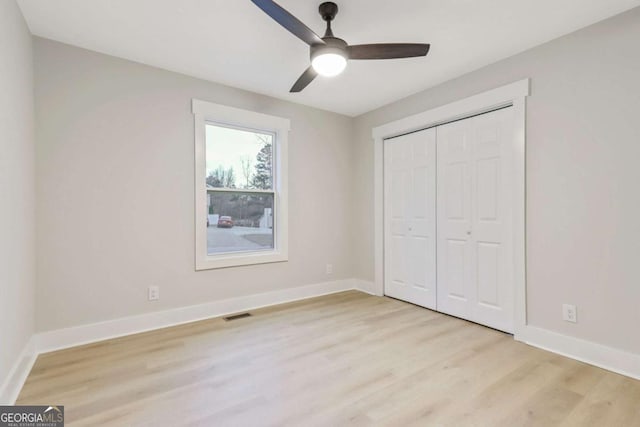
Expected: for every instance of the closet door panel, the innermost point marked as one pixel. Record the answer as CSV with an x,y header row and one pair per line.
x,y
454,218
475,262
410,218
493,219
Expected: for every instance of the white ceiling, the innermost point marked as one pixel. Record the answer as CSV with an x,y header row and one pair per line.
x,y
235,43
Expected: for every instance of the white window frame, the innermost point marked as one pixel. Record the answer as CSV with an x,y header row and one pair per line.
x,y
207,112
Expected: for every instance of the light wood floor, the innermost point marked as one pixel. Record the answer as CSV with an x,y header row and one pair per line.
x,y
343,359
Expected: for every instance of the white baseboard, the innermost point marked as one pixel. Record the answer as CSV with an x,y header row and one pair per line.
x,y
44,342
589,352
18,374
609,358
364,286
85,334
595,354
59,339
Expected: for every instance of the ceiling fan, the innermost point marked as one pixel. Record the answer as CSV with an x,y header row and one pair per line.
x,y
329,54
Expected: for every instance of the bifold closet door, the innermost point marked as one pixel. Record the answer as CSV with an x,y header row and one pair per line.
x,y
410,217
475,225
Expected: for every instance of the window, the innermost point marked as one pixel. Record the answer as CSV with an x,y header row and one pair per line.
x,y
240,178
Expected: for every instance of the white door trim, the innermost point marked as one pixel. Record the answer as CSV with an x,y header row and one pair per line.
x,y
512,94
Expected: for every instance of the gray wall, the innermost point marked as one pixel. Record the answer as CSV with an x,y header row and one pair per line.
x,y
17,188
115,190
583,202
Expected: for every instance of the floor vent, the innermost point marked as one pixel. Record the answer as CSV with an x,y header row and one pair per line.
x,y
237,316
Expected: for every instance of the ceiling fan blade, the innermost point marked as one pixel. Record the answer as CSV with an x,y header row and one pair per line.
x,y
304,80
288,21
388,50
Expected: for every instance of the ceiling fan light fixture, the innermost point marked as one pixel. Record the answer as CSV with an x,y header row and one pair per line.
x,y
329,62
329,54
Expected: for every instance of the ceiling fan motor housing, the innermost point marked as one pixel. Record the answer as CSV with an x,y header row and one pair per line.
x,y
328,10
332,45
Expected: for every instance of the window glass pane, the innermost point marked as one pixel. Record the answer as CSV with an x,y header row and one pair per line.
x,y
239,222
238,158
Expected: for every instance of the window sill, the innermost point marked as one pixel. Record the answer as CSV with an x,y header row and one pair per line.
x,y
211,262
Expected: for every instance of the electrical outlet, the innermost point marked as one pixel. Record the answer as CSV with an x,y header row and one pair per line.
x,y
154,293
569,313
329,268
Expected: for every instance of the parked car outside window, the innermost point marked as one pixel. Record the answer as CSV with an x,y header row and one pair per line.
x,y
225,222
